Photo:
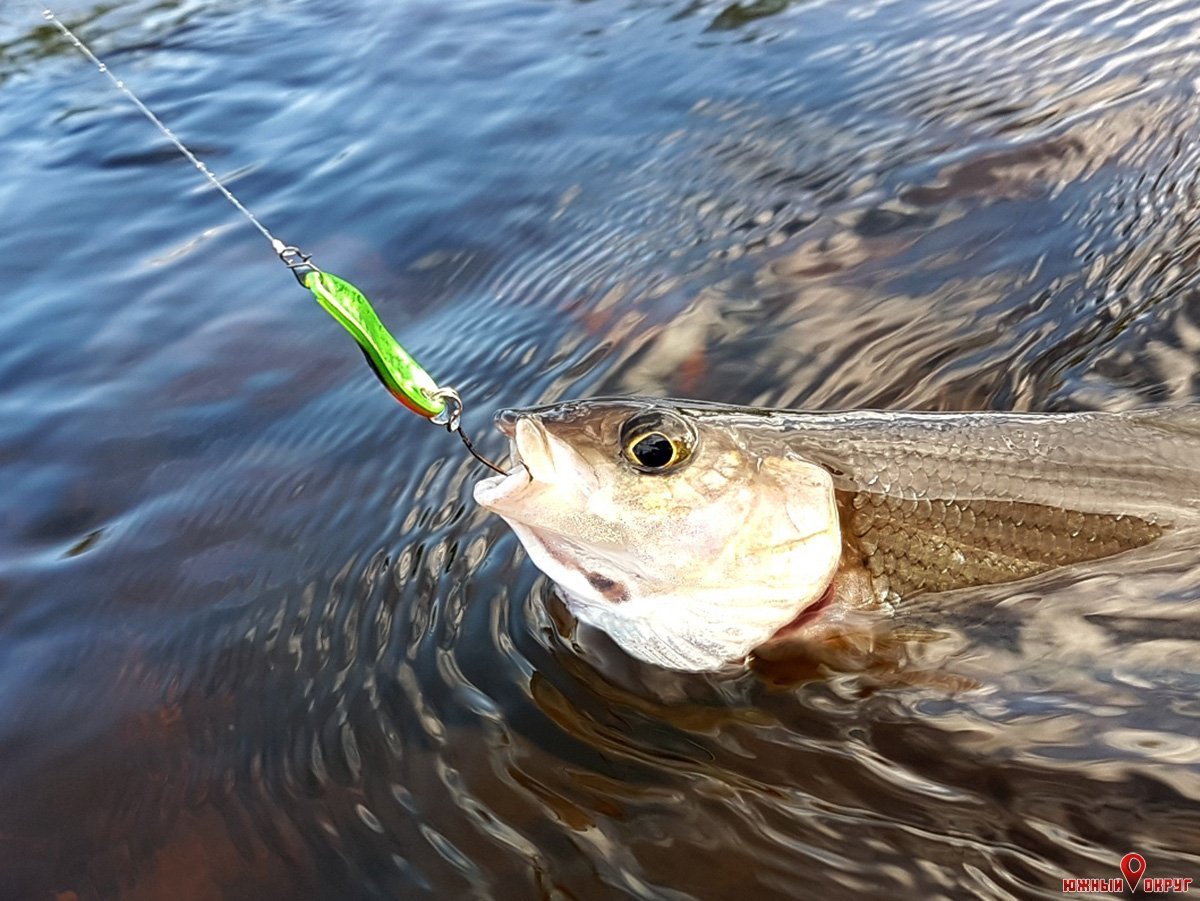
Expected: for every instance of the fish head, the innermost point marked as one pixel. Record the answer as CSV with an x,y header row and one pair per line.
x,y
685,537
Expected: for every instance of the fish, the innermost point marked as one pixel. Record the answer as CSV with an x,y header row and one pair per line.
x,y
695,534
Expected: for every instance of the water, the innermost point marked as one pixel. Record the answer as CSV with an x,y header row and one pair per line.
x,y
257,642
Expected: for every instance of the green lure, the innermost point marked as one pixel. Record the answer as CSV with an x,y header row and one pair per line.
x,y
395,367
399,372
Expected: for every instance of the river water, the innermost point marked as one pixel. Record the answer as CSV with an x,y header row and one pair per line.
x,y
257,642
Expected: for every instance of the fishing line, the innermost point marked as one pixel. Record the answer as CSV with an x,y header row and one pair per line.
x,y
83,48
404,378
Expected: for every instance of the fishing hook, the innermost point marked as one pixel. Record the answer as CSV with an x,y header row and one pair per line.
x,y
451,418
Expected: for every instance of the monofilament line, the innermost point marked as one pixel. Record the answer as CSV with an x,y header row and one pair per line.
x,y
83,48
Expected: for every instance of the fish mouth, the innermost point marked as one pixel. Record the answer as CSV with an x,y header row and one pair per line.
x,y
494,491
497,492
536,456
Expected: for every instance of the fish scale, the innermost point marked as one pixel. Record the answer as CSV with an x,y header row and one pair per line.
x,y
940,545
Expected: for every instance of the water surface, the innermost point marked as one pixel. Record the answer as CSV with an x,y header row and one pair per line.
x,y
256,641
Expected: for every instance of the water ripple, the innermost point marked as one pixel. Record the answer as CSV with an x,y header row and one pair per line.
x,y
257,641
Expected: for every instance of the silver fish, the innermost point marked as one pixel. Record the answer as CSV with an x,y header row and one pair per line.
x,y
694,533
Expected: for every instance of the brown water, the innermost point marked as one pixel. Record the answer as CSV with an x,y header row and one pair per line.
x,y
256,642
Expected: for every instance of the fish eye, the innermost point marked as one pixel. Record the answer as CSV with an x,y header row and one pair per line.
x,y
654,450
657,441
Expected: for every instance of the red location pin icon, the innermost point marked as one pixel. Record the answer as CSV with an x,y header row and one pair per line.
x,y
1133,865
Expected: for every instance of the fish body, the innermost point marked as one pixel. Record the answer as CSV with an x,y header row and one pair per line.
x,y
694,533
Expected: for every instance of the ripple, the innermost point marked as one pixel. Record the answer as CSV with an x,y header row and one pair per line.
x,y
1160,746
256,636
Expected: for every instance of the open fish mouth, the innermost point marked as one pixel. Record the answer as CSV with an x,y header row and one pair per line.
x,y
536,455
493,492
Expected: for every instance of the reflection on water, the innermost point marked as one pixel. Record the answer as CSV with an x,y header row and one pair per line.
x,y
257,642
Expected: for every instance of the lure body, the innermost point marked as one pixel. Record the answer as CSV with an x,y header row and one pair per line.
x,y
403,376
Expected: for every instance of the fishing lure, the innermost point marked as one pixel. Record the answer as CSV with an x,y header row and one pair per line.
x,y
403,376
405,379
